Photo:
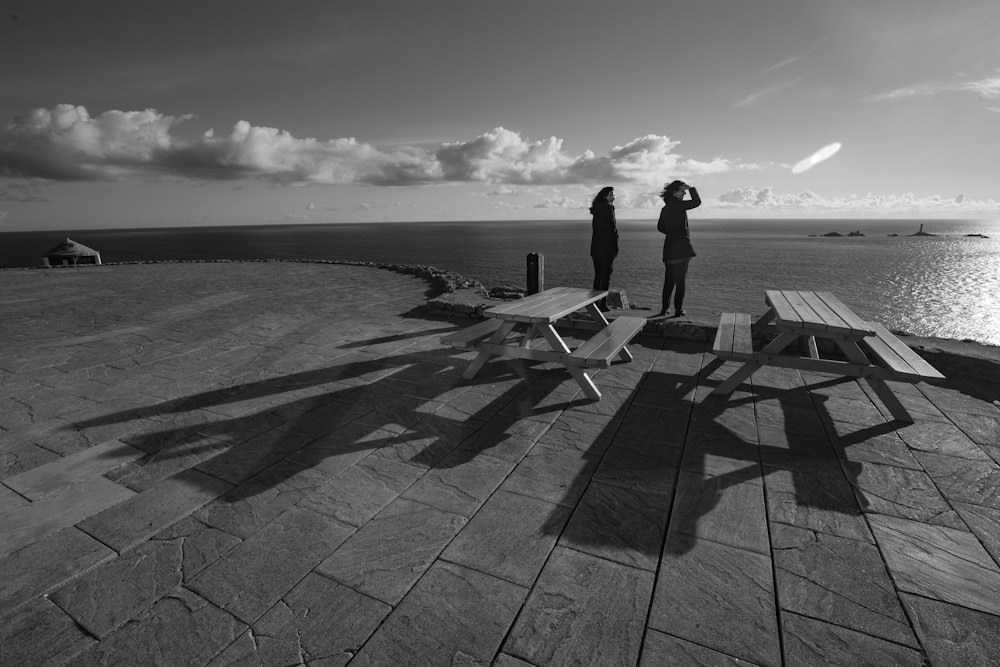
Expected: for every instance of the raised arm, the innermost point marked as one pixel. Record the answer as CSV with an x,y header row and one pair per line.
x,y
695,200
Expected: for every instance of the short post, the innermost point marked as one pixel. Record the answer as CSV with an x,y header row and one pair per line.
x,y
536,272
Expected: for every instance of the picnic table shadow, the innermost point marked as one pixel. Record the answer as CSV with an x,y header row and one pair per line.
x,y
327,418
647,521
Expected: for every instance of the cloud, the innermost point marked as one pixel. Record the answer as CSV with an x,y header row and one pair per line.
x,y
25,190
987,89
770,90
767,198
3,217
66,143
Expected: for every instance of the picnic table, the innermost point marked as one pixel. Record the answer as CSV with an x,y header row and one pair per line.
x,y
537,314
872,352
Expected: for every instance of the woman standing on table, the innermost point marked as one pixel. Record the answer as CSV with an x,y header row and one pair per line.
x,y
603,240
677,248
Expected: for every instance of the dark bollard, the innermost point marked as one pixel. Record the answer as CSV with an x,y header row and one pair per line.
x,y
536,272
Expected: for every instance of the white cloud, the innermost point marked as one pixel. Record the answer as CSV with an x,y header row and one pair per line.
x,y
67,143
987,88
764,92
766,199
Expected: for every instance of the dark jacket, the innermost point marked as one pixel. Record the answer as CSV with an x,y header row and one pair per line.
x,y
673,223
604,239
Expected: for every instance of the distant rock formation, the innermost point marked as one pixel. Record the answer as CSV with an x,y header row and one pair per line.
x,y
921,232
978,236
854,233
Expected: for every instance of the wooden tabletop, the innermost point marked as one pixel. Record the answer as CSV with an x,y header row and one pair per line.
x,y
547,306
816,314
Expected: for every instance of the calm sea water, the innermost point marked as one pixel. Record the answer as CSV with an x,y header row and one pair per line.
x,y
946,285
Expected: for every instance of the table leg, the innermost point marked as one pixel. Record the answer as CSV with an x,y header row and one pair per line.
x,y
529,335
477,363
749,368
762,322
557,343
855,355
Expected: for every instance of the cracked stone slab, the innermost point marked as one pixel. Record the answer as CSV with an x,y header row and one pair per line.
x,y
388,554
555,475
941,438
243,460
201,545
954,635
317,622
39,568
620,524
460,485
882,449
344,447
40,634
809,452
30,523
839,580
984,523
961,479
663,650
58,474
728,509
910,494
361,491
582,609
504,437
816,502
149,512
248,580
982,429
510,537
813,642
453,615
717,596
939,563
180,629
17,459
254,503
107,596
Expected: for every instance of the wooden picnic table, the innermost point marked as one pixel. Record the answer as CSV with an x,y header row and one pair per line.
x,y
539,313
871,350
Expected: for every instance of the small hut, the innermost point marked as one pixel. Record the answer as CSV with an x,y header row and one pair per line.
x,y
71,253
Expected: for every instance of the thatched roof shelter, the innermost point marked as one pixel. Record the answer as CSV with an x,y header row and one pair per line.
x,y
71,253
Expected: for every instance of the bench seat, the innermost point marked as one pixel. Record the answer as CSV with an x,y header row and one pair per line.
x,y
895,355
468,337
733,340
599,350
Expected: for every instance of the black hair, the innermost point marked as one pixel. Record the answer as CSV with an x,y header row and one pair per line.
x,y
670,188
602,196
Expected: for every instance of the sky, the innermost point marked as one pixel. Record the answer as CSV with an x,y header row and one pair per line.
x,y
132,114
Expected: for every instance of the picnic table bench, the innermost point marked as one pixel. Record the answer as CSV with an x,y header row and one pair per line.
x,y
539,313
872,351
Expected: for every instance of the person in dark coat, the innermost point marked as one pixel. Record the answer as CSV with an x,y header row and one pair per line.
x,y
677,248
603,240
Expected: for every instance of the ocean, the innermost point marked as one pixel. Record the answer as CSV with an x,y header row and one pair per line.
x,y
946,285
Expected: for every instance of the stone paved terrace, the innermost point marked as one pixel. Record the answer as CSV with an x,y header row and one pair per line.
x,y
278,464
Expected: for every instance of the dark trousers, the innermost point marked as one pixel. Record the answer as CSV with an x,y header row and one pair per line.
x,y
673,281
602,272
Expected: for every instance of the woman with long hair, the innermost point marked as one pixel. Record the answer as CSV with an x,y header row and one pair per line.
x,y
677,248
603,239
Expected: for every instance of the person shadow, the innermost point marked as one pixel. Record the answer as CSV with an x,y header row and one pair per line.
x,y
327,419
699,463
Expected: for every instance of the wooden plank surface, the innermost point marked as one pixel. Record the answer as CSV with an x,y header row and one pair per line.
x,y
917,364
851,318
547,306
724,334
599,349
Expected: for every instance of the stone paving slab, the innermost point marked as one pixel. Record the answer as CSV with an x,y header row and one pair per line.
x,y
307,478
